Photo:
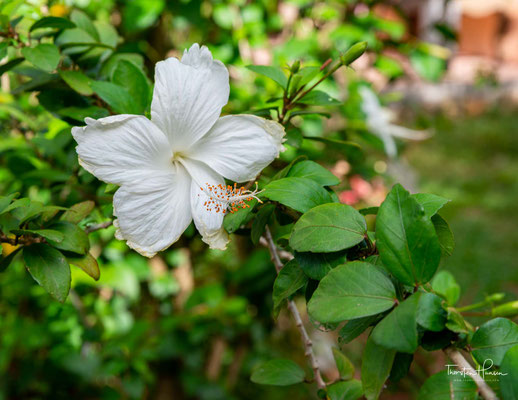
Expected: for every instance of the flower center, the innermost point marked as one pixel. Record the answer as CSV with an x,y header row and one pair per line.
x,y
223,198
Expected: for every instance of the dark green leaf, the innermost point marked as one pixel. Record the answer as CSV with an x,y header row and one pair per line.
x,y
344,366
492,340
317,265
369,211
273,73
260,221
52,22
328,228
49,268
278,372
298,193
445,285
350,390
432,341
401,366
233,221
406,238
88,264
117,97
75,239
509,377
131,77
78,212
290,279
353,290
44,56
431,203
444,234
398,330
10,64
355,327
376,365
431,315
44,233
311,170
445,386
7,260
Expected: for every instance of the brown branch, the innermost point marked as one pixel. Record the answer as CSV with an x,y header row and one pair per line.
x,y
464,366
96,227
24,240
283,255
308,345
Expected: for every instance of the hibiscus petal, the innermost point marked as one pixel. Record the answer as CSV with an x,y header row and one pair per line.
x,y
208,222
188,96
240,146
153,212
121,148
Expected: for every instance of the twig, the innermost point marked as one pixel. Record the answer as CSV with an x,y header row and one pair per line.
x,y
96,227
283,255
295,313
464,366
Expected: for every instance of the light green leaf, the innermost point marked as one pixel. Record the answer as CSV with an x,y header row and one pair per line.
x,y
406,238
77,81
117,97
492,340
376,366
509,377
44,56
278,372
353,290
88,264
444,234
343,364
311,170
431,203
445,386
445,285
431,315
273,73
83,21
350,390
328,228
298,193
49,268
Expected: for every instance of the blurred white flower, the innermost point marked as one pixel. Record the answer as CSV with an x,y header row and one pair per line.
x,y
379,122
171,168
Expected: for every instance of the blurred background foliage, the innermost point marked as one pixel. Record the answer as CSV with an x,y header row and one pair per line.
x,y
191,323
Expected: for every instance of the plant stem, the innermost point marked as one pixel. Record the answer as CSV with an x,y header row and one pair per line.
x,y
96,227
464,366
308,345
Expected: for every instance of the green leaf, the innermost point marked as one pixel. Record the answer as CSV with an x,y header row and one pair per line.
x,y
312,170
278,372
83,21
75,239
355,327
44,233
273,73
492,340
298,193
444,234
398,330
317,265
307,74
77,81
49,268
52,22
432,341
10,64
233,221
401,366
284,172
455,322
343,364
335,143
376,365
78,212
88,264
430,313
44,56
445,386
260,221
431,203
290,279
5,201
509,377
406,238
445,285
117,97
353,290
131,77
350,390
328,228
318,98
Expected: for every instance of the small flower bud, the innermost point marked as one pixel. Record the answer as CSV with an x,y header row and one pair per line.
x,y
354,52
495,297
295,67
506,310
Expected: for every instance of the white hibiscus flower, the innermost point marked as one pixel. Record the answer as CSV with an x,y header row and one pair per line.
x,y
171,168
379,121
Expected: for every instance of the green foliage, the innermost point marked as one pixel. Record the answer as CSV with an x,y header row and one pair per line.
x,y
447,386
509,370
376,365
278,373
492,340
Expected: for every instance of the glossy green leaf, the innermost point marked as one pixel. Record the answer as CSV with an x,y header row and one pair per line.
x,y
493,339
350,390
398,330
406,238
431,315
376,365
77,81
273,73
49,268
317,265
233,221
328,228
343,364
353,290
444,234
260,221
44,56
278,372
78,212
445,284
509,370
298,193
311,170
75,239
431,203
88,264
126,74
445,386
290,279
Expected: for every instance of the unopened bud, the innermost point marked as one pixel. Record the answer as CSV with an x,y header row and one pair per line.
x,y
354,52
495,298
506,310
295,67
